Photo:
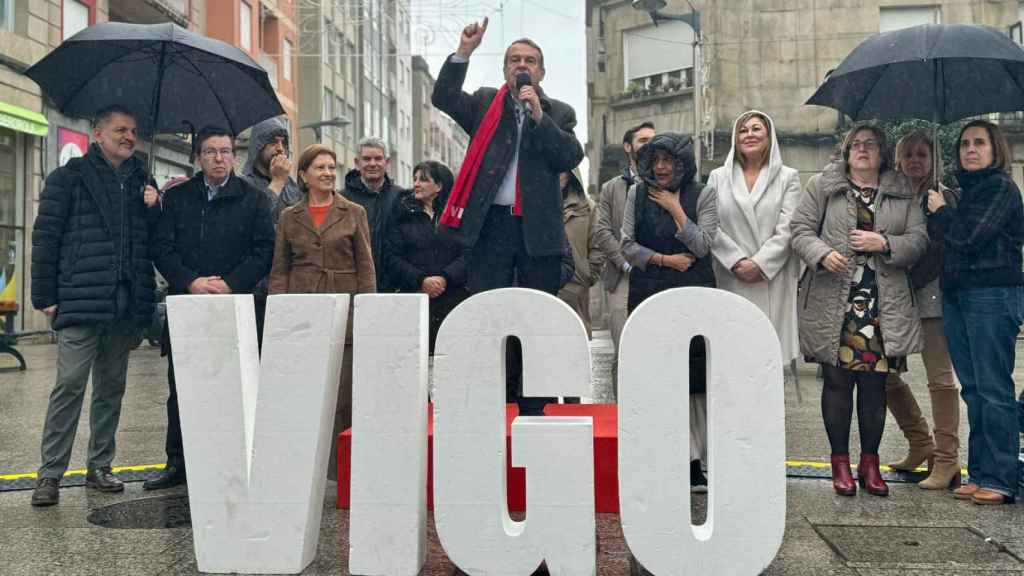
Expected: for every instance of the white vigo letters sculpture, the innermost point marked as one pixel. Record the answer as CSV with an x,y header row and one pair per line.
x,y
745,428
257,436
470,507
388,522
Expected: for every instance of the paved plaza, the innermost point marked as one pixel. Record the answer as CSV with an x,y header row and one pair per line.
x,y
912,532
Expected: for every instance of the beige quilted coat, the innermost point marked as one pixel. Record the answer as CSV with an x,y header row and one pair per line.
x,y
823,296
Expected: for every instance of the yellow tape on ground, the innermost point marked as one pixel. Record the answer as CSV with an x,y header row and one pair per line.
x,y
81,472
144,467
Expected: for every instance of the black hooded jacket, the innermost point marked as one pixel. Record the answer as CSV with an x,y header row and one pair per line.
x,y
655,228
259,136
91,234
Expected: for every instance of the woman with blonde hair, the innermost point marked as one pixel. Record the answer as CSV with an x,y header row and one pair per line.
x,y
757,195
914,158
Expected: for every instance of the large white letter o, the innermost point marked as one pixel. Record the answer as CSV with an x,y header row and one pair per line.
x,y
745,427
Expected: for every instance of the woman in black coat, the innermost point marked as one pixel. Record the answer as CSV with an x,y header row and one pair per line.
x,y
420,256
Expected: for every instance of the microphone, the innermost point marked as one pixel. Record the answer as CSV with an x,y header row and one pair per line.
x,y
523,79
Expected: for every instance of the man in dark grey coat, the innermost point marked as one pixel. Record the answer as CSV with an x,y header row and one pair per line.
x,y
608,236
91,274
512,220
532,144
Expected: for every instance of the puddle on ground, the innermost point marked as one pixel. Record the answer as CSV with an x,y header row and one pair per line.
x,y
144,514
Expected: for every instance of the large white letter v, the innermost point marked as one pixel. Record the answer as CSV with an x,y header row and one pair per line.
x,y
257,435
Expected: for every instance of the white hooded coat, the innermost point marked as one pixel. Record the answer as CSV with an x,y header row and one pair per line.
x,y
754,224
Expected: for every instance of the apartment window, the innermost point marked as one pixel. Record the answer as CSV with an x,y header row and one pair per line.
x,y
339,54
351,127
6,14
651,52
245,26
350,69
367,57
77,15
325,41
286,56
339,109
897,17
325,113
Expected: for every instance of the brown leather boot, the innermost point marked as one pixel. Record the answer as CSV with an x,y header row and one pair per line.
x,y
903,407
946,415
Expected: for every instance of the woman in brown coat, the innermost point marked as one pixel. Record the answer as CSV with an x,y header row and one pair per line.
x,y
323,247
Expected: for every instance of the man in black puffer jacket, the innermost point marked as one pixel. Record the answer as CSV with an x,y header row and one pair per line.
x,y
91,274
215,236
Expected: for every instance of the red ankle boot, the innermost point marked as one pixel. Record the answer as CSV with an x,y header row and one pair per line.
x,y
842,477
870,477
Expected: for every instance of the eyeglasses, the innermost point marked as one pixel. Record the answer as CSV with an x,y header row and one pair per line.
x,y
866,145
213,152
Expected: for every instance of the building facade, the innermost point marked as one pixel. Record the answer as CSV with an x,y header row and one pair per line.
x,y
266,31
765,54
435,136
355,71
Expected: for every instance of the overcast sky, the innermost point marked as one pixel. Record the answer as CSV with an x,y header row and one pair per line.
x,y
556,25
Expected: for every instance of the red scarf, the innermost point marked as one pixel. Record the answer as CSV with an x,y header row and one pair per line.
x,y
459,198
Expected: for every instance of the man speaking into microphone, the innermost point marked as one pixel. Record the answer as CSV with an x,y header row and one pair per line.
x,y
506,205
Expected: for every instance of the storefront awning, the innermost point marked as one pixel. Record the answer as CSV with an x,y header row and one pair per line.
x,y
23,120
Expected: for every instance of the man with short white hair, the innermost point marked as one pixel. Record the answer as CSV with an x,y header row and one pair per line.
x,y
369,186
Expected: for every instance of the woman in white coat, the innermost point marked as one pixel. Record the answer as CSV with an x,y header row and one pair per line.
x,y
757,195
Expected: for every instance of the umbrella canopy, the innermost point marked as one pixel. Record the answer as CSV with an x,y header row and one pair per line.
x,y
932,72
163,73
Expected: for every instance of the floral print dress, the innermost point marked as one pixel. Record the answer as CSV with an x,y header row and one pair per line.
x,y
860,341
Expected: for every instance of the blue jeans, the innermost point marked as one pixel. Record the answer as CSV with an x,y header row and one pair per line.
x,y
981,326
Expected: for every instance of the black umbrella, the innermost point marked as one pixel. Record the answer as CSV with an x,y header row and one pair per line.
x,y
163,73
933,72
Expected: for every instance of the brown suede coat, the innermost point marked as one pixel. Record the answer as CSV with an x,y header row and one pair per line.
x,y
335,259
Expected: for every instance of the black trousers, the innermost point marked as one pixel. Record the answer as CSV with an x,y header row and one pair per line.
x,y
172,444
500,260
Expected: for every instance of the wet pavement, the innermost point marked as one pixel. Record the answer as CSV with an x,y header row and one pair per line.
x,y
912,532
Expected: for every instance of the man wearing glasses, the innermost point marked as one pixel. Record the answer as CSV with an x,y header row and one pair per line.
x,y
215,236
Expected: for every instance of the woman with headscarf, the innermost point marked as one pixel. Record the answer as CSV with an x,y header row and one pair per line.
x,y
667,231
757,195
914,159
858,229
